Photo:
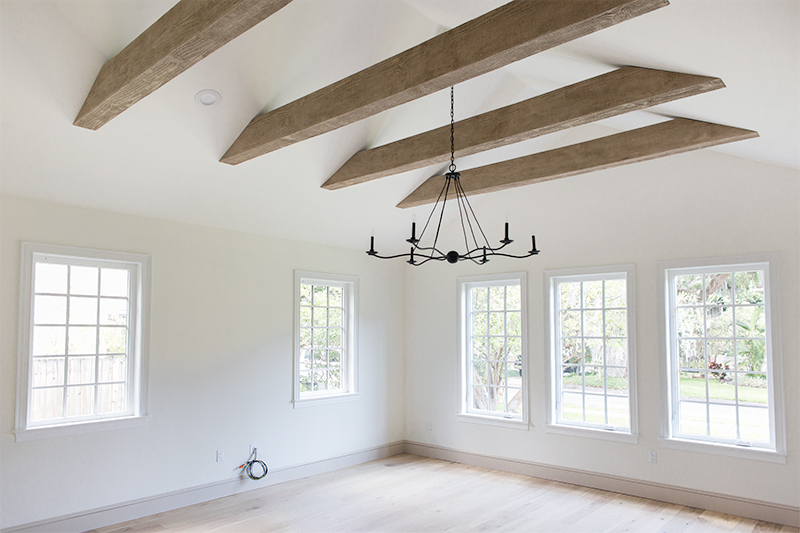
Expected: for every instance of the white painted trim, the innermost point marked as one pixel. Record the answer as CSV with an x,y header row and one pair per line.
x,y
742,452
139,266
592,433
490,420
723,503
351,284
131,510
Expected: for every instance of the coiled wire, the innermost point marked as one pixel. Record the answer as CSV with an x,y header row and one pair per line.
x,y
248,466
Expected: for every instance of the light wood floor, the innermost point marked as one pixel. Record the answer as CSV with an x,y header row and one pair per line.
x,y
415,494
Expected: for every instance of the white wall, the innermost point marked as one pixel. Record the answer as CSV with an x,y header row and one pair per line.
x,y
696,205
220,363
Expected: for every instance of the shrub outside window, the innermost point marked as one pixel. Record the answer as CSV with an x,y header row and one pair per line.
x,y
324,335
493,325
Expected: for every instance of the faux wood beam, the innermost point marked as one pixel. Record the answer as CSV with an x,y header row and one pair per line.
x,y
667,138
509,33
618,92
187,33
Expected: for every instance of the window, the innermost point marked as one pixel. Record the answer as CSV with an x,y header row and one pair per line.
x,y
493,325
82,353
721,361
325,323
592,381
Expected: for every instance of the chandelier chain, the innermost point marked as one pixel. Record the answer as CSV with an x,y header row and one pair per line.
x,y
452,133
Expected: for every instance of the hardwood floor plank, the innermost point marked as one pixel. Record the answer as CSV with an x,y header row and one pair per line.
x,y
405,493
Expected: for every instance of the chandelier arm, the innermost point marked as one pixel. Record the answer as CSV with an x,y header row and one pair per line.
x,y
477,222
441,214
461,199
461,210
444,187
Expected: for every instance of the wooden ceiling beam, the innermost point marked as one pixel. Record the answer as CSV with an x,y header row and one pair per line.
x,y
187,33
509,33
621,91
667,138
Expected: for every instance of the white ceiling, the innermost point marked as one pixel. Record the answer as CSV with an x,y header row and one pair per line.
x,y
160,158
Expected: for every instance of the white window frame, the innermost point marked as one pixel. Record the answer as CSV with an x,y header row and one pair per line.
x,y
465,413
138,335
350,299
554,423
670,438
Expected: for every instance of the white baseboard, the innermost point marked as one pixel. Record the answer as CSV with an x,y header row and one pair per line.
x,y
131,510
755,509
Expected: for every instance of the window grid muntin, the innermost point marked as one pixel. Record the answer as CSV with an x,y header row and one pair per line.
x,y
326,348
127,400
560,402
505,362
675,358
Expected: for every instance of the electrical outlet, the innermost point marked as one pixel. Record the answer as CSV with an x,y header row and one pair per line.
x,y
428,426
253,448
220,455
652,457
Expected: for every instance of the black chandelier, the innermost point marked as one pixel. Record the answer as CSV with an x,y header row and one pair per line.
x,y
479,253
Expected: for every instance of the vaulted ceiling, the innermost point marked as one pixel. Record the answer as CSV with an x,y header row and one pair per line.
x,y
160,156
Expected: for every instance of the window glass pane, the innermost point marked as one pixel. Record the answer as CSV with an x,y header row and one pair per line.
x,y
617,381
48,371
514,401
722,420
571,350
82,310
50,278
320,380
690,322
592,294
479,348
691,353
334,317
481,398
721,387
80,400
111,368
335,296
305,381
305,294
320,316
82,340
514,323
49,340
513,301
617,352
619,411
752,389
719,321
80,370
320,338
749,287
572,378
750,321
47,403
497,297
754,423
693,385
305,317
497,373
570,323
111,398
113,311
480,300
305,337
334,358
50,310
113,340
616,293
320,295
113,282
496,325
570,295
497,348
306,360
593,352
752,354
595,409
689,289
593,323
514,349
335,338
693,420
720,354
480,324
572,406
616,323
335,379
719,289
83,280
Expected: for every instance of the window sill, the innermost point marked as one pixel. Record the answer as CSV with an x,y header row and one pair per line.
x,y
78,428
513,423
324,400
592,433
742,452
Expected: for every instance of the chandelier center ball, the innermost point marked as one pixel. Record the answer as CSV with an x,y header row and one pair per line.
x,y
452,257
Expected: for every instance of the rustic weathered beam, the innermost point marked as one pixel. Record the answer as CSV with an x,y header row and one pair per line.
x,y
187,33
608,95
509,33
666,138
